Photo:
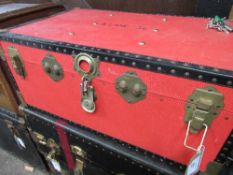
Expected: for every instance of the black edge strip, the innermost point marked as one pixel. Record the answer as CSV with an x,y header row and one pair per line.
x,y
138,155
226,150
154,64
7,115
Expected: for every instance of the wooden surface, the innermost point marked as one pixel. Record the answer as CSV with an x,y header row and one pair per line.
x,y
12,14
172,7
231,14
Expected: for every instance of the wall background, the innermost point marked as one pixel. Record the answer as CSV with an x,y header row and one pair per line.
x,y
207,8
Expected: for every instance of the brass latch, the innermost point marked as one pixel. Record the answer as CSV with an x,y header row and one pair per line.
x,y
16,135
88,72
77,151
38,138
203,106
80,155
16,61
54,148
53,163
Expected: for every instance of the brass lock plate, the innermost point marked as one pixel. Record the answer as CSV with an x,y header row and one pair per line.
x,y
203,106
131,87
16,61
52,68
90,67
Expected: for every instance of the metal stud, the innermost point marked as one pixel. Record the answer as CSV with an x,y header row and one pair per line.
x,y
201,67
141,43
133,63
229,83
164,19
186,74
214,80
200,77
159,68
73,52
113,59
148,66
123,61
216,70
173,71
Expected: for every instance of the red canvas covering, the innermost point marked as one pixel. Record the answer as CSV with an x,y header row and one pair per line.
x,y
156,123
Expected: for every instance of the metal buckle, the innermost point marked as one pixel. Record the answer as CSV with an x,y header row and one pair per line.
x,y
187,134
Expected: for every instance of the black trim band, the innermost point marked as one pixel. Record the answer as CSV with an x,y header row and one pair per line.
x,y
226,150
164,66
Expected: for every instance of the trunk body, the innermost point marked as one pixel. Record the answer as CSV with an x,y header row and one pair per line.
x,y
170,57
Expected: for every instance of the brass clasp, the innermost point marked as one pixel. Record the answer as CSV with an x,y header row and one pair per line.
x,y
87,90
203,106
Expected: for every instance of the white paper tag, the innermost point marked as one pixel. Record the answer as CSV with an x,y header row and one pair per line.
x,y
56,165
194,165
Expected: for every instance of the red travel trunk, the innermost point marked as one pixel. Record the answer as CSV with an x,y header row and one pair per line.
x,y
142,72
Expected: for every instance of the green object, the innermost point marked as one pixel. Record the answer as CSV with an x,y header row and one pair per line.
x,y
52,68
131,87
203,106
17,61
217,18
220,21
